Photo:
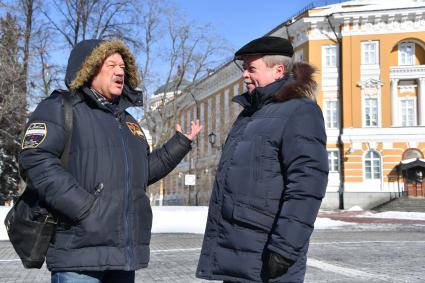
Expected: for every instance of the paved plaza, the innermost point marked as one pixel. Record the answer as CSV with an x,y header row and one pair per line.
x,y
359,252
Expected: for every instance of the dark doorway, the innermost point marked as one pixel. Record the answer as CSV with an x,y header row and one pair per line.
x,y
413,172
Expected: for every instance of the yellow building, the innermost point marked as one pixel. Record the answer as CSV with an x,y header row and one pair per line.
x,y
371,61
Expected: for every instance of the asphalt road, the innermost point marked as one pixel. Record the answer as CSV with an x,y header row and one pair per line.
x,y
358,253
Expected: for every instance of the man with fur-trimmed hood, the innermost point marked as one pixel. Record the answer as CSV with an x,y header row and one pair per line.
x,y
272,174
104,215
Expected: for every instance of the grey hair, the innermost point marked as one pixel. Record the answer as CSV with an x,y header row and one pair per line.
x,y
272,60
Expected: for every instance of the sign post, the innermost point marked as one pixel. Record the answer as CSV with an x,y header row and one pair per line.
x,y
189,180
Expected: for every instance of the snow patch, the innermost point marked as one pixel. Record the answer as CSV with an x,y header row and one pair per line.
x,y
396,215
327,223
355,208
192,219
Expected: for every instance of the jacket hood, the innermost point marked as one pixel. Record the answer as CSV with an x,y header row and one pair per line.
x,y
87,58
300,85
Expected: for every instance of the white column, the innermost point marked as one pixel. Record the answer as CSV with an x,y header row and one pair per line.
x,y
209,122
394,102
421,100
236,106
202,134
218,119
226,111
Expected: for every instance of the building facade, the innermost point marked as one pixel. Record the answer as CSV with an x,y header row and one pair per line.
x,y
371,61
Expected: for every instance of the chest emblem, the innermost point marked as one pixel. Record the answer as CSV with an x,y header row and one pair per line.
x,y
35,134
135,130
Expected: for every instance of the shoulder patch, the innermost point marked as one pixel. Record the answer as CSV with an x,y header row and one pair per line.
x,y
135,130
35,134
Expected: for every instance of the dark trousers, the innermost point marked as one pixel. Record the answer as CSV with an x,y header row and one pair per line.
x,y
108,276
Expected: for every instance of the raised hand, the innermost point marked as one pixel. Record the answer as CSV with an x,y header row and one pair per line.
x,y
195,128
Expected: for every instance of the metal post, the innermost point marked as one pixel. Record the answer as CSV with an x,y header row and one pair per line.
x,y
341,115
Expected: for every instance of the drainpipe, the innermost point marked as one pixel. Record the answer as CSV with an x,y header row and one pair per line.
x,y
341,117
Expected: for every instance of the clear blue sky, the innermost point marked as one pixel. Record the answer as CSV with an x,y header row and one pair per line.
x,y
240,21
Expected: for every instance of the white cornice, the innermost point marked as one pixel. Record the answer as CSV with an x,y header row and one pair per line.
x,y
407,72
364,22
395,134
225,76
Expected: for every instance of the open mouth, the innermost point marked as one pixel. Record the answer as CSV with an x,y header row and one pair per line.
x,y
119,82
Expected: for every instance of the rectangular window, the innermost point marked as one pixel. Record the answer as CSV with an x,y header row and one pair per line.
x,y
299,55
406,53
408,113
333,159
371,112
331,114
329,56
372,166
370,52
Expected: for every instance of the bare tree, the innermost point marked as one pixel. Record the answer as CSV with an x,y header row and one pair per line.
x,y
12,97
187,52
47,73
28,9
77,20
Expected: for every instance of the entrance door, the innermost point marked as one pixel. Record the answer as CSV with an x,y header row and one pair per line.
x,y
414,182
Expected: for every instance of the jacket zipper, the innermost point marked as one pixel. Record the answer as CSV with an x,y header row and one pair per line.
x,y
127,229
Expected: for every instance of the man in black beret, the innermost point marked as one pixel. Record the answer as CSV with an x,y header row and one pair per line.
x,y
272,174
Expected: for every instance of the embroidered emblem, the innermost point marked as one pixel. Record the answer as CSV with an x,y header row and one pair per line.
x,y
35,134
136,130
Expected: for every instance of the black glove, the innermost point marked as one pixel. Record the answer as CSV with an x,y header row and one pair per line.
x,y
278,265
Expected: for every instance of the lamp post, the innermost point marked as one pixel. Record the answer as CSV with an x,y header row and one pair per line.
x,y
195,169
212,139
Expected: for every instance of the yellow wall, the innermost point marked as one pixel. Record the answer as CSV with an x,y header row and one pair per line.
x,y
351,59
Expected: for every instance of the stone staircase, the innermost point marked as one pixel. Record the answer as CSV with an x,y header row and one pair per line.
x,y
403,204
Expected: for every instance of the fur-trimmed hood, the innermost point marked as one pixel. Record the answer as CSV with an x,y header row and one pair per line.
x,y
300,84
87,58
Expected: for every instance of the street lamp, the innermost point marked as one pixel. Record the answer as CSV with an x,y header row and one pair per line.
x,y
212,139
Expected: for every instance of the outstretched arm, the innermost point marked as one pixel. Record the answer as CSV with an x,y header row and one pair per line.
x,y
163,160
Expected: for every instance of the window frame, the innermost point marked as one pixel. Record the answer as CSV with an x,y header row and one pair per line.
x,y
378,111
372,172
299,55
336,161
327,118
414,107
365,53
333,47
401,53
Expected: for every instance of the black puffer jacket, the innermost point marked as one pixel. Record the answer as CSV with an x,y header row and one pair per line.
x,y
108,229
270,182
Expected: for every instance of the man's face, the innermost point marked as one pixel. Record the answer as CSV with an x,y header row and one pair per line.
x,y
109,81
257,74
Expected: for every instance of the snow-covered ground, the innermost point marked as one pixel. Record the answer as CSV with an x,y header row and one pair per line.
x,y
395,215
191,219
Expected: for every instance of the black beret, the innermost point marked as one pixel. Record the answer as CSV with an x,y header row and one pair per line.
x,y
267,45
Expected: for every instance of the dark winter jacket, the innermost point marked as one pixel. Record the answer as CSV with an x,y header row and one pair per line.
x,y
104,213
269,185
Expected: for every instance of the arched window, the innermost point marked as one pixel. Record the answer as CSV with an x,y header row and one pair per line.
x,y
372,165
406,53
412,153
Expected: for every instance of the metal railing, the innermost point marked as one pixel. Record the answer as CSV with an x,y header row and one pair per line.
x,y
316,4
